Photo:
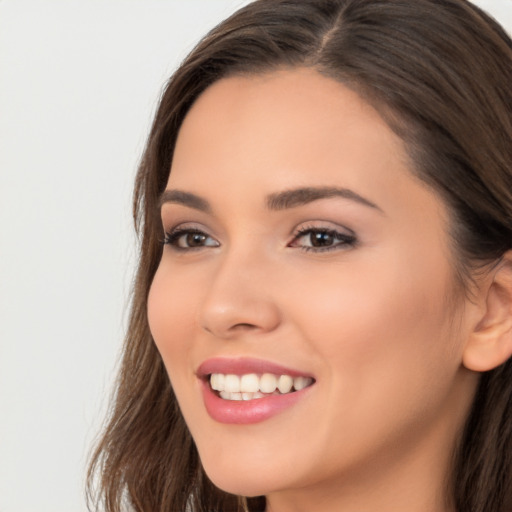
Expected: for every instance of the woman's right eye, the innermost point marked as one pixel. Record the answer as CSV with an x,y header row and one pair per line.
x,y
189,239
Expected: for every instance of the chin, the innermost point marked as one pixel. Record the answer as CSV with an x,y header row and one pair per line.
x,y
241,485
244,479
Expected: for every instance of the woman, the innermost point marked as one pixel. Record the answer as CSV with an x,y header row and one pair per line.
x,y
322,317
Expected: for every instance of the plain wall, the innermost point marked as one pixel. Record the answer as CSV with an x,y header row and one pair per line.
x,y
79,81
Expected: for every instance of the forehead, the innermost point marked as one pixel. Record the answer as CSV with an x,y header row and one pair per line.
x,y
282,121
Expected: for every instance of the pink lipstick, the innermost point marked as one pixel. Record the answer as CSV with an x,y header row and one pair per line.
x,y
246,390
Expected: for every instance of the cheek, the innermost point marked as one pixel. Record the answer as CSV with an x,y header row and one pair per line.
x,y
172,303
385,321
170,307
385,347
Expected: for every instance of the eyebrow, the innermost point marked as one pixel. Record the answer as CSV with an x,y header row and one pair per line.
x,y
185,199
275,202
301,196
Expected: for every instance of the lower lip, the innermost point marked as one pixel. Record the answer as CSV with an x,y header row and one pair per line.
x,y
243,412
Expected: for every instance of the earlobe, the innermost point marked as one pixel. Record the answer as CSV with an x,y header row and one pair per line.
x,y
490,342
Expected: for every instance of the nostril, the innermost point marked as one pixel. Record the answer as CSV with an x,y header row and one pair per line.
x,y
233,330
243,326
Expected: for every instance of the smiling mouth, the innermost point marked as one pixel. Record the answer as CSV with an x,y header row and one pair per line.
x,y
254,386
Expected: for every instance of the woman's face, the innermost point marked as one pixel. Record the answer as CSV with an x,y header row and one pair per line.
x,y
301,251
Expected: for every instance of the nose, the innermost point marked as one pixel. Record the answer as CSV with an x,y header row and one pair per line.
x,y
240,300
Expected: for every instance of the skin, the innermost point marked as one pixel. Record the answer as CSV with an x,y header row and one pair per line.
x,y
380,323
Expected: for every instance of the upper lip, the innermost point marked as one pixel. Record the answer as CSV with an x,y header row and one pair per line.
x,y
245,365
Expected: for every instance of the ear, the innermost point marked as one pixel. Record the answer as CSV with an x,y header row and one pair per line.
x,y
490,342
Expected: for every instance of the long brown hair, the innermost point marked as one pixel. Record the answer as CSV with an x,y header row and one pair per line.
x,y
440,74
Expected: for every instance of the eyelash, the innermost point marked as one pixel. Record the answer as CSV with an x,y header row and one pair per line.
x,y
172,238
340,240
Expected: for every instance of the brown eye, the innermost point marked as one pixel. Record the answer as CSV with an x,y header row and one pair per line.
x,y
193,240
323,240
187,239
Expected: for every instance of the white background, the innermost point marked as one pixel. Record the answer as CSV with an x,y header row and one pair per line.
x,y
79,81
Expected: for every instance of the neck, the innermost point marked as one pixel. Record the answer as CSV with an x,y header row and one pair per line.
x,y
395,493
413,478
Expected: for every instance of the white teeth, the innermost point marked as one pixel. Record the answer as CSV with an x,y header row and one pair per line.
x,y
232,383
250,383
217,381
252,386
252,396
268,383
285,384
227,395
301,382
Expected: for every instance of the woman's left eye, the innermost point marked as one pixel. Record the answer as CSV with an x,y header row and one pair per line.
x,y
189,239
318,239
